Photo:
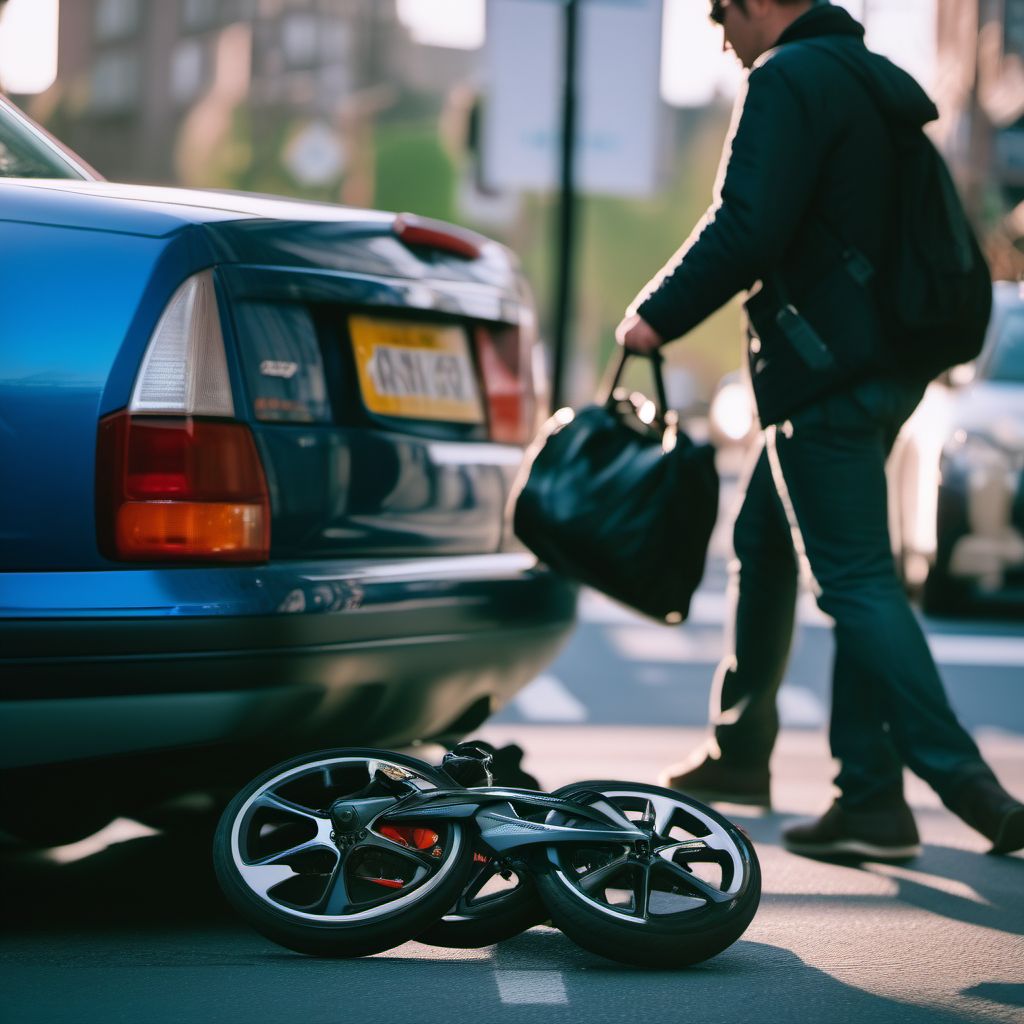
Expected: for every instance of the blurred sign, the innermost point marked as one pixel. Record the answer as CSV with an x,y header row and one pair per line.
x,y
315,156
618,69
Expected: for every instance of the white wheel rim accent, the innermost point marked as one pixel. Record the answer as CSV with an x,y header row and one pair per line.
x,y
259,879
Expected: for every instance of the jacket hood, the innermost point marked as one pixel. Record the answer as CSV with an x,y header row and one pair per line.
x,y
823,19
900,97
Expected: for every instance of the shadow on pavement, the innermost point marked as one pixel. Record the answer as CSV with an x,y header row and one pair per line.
x,y
986,892
723,987
163,885
1005,993
961,885
149,881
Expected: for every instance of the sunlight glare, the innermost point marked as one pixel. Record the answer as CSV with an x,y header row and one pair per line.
x,y
458,24
693,67
28,46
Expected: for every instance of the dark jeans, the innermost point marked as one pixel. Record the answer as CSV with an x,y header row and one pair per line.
x,y
815,496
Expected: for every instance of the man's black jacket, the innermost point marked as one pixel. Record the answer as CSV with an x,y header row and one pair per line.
x,y
807,171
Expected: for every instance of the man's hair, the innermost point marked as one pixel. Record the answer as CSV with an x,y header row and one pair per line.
x,y
742,4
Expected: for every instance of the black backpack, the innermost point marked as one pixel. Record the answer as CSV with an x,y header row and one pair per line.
x,y
935,285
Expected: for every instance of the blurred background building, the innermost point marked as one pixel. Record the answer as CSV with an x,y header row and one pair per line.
x,y
980,92
378,103
235,93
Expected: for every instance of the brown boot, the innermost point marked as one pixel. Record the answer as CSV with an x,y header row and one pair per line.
x,y
889,834
987,807
711,779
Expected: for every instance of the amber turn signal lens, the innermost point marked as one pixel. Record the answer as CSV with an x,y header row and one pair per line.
x,y
191,529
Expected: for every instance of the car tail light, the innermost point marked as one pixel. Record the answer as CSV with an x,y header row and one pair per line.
x,y
436,234
174,481
506,365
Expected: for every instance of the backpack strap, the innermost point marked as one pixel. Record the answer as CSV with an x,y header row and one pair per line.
x,y
950,197
788,318
857,263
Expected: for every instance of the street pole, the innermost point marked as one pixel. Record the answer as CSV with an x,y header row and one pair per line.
x,y
566,208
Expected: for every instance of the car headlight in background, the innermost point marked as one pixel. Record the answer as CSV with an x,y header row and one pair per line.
x,y
732,414
991,471
999,449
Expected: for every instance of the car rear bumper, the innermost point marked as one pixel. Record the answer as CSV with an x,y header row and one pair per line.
x,y
98,664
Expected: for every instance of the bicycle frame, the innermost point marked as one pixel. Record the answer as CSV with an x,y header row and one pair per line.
x,y
503,830
306,851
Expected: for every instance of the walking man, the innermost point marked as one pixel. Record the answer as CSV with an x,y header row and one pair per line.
x,y
802,216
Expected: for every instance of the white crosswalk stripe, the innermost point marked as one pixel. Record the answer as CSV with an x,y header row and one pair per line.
x,y
547,699
652,643
800,708
953,649
708,608
531,987
639,639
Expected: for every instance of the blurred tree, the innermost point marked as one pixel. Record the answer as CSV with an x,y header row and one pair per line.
x,y
413,170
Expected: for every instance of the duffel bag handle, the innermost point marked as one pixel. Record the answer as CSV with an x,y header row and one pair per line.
x,y
614,374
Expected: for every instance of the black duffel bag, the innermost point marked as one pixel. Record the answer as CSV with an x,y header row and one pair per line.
x,y
618,497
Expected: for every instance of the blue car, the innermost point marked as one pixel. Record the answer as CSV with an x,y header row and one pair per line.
x,y
255,456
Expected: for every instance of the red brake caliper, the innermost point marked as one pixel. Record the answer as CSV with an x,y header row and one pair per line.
x,y
406,835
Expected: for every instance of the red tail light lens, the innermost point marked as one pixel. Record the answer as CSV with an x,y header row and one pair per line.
x,y
180,489
436,234
508,382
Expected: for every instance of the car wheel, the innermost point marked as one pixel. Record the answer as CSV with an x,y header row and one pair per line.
x,y
942,595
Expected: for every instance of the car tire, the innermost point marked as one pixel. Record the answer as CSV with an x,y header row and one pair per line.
x,y
942,595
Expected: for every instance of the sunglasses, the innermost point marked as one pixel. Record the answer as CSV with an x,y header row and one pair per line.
x,y
717,12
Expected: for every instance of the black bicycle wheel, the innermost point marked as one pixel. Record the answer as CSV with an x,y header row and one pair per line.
x,y
279,865
684,899
497,903
500,900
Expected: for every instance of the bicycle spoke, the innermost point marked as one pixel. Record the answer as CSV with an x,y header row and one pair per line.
x,y
642,892
598,878
695,851
694,884
280,804
664,810
261,878
336,899
312,844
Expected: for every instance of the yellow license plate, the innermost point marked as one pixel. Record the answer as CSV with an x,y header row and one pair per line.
x,y
419,371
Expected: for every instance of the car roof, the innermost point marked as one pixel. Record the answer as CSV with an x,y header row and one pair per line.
x,y
156,210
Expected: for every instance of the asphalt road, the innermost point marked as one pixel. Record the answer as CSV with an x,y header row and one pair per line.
x,y
619,669
137,932
130,926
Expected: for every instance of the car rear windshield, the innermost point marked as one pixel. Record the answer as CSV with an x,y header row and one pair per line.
x,y
1008,354
27,153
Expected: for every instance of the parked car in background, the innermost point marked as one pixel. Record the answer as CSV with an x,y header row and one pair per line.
x,y
956,475
256,455
956,491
